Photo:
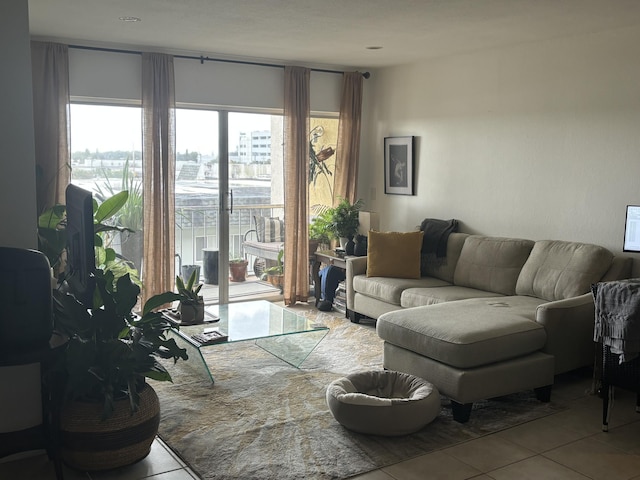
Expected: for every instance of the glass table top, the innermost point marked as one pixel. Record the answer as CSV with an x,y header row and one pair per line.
x,y
264,322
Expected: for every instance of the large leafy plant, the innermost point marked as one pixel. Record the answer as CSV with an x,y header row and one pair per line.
x,y
52,236
110,349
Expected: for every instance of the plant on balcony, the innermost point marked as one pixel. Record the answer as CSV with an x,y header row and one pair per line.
x,y
275,274
238,269
191,302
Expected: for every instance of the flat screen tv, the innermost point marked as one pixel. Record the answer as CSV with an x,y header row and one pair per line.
x,y
81,261
632,229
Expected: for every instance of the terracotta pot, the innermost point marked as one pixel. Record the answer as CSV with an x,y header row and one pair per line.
x,y
276,280
238,271
90,443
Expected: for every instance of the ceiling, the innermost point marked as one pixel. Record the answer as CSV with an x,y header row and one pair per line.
x,y
330,33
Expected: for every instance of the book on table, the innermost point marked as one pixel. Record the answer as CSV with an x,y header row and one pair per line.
x,y
209,338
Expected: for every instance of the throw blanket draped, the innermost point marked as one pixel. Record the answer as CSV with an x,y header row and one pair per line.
x,y
617,317
436,234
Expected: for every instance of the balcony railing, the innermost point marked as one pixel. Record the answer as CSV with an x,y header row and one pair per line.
x,y
197,228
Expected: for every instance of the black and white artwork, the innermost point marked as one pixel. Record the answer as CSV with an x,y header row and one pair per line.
x,y
398,165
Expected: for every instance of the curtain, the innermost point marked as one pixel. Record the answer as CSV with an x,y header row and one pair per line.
x,y
296,173
348,145
50,75
159,156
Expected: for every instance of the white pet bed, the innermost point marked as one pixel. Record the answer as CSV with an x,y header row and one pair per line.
x,y
383,402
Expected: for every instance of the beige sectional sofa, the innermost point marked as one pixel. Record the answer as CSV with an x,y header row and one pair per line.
x,y
497,316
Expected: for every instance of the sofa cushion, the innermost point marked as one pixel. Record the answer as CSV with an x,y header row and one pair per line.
x,y
557,269
417,297
394,254
443,268
491,263
467,333
390,289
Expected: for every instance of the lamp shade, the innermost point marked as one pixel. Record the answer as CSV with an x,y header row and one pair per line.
x,y
368,221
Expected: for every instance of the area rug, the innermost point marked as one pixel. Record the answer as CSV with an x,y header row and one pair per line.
x,y
264,419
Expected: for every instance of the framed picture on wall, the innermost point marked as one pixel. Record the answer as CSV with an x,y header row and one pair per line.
x,y
398,165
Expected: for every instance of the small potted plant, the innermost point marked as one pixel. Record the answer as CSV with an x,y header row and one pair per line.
x,y
238,269
320,230
344,220
191,302
275,274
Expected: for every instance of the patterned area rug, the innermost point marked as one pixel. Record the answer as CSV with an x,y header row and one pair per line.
x,y
264,419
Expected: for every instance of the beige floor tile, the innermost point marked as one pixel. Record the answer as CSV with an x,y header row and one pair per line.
x,y
596,459
434,466
375,475
34,467
626,437
535,468
488,453
540,435
158,461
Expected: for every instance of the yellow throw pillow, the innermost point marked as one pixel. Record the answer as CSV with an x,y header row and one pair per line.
x,y
394,254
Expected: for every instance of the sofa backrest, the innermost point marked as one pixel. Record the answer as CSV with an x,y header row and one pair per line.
x,y
557,269
443,268
492,263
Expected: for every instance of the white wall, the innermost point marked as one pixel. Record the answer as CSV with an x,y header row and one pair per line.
x,y
536,141
17,182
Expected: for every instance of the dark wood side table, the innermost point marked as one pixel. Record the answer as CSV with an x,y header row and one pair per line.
x,y
328,257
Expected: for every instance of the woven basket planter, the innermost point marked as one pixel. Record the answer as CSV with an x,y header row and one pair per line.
x,y
90,444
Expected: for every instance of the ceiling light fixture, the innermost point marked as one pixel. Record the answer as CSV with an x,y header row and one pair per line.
x,y
375,47
130,19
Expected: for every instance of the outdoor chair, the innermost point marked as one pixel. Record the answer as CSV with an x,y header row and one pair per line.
x,y
269,240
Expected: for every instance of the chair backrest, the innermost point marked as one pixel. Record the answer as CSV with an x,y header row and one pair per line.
x,y
26,321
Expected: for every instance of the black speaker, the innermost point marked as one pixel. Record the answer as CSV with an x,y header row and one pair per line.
x,y
26,319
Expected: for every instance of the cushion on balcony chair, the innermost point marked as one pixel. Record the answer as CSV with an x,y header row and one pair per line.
x,y
269,229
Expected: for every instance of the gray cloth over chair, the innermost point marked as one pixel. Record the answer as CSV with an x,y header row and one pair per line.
x,y
381,402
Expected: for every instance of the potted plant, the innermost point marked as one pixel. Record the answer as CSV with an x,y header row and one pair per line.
x,y
238,269
275,274
320,230
344,220
105,362
191,302
52,237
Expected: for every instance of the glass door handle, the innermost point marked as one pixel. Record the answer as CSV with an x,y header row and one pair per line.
x,y
231,202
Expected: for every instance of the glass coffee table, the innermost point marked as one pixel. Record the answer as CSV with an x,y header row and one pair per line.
x,y
281,332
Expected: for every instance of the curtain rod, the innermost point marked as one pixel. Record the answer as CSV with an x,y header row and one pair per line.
x,y
203,59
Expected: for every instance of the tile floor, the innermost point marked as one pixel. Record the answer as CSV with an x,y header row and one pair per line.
x,y
566,445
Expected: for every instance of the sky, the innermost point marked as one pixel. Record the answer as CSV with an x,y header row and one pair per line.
x,y
107,128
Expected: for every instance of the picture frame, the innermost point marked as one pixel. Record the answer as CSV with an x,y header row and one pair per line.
x,y
398,165
632,229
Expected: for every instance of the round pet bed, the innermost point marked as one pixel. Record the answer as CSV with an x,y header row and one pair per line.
x,y
383,402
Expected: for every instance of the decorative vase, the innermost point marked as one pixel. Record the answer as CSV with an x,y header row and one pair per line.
x,y
343,242
350,246
360,249
238,271
192,313
90,443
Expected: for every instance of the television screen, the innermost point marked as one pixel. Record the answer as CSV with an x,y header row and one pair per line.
x,y
632,229
81,261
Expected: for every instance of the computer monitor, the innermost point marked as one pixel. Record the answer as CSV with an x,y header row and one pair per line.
x,y
81,261
632,229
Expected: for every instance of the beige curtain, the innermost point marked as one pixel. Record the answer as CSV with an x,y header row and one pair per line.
x,y
296,172
50,72
159,156
348,145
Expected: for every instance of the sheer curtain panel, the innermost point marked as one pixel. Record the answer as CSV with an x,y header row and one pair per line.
x,y
348,146
50,74
159,157
296,173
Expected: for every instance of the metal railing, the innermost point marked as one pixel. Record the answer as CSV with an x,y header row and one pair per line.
x,y
197,228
